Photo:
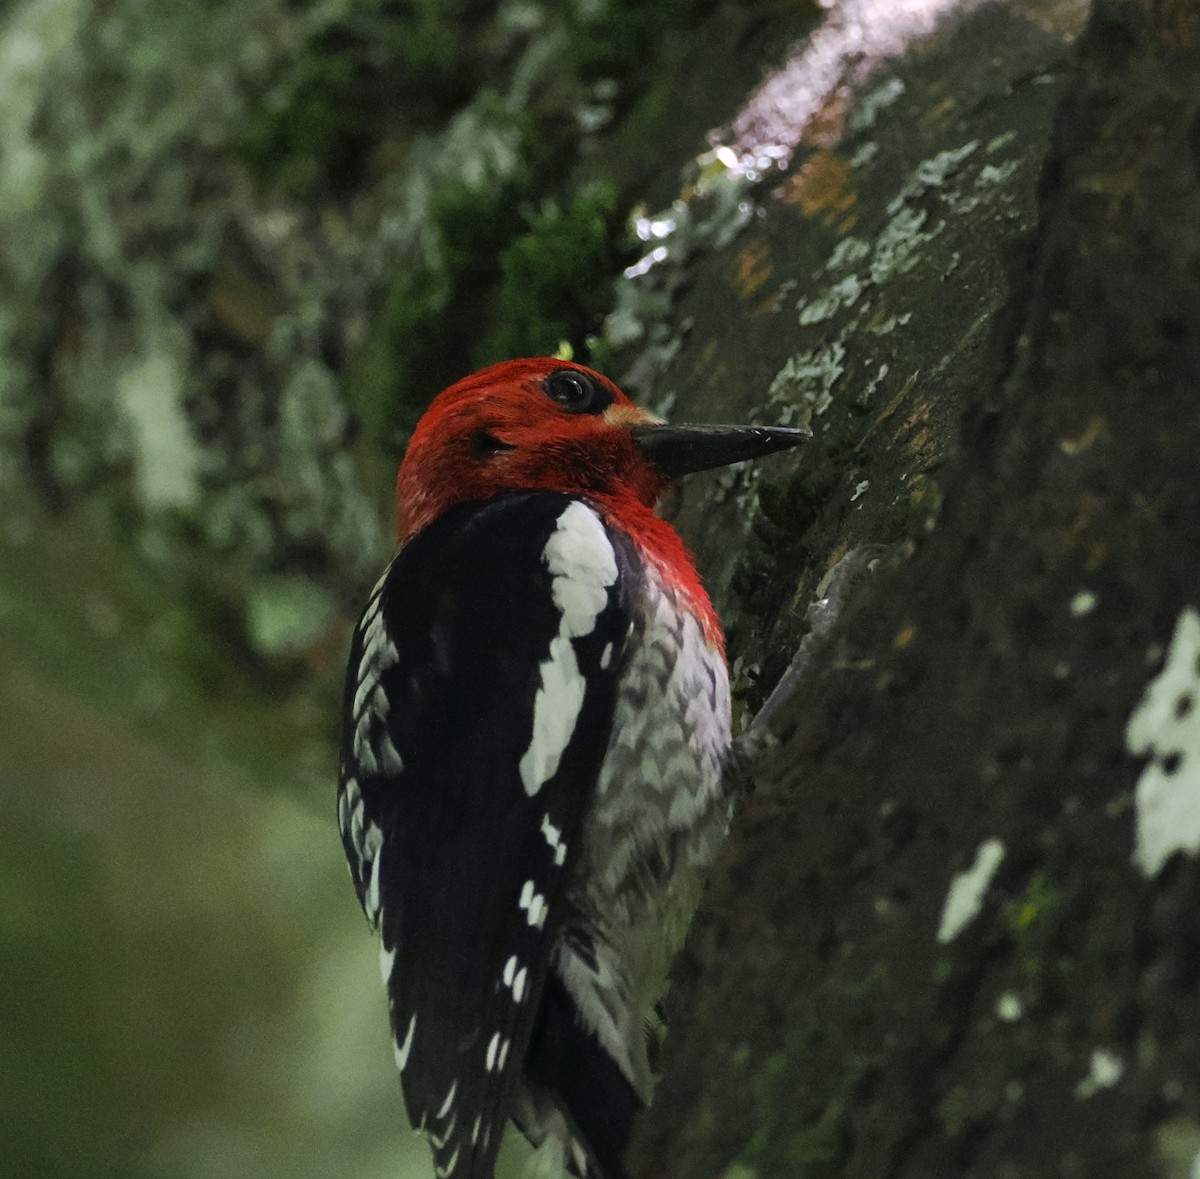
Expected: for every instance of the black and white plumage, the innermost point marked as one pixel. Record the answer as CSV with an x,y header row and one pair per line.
x,y
531,790
532,786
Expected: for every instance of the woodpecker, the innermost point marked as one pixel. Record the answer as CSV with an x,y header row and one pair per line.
x,y
532,787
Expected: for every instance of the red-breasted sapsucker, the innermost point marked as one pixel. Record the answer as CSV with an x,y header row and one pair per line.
x,y
532,770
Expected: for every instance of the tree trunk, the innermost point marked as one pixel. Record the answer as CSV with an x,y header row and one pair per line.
x,y
953,933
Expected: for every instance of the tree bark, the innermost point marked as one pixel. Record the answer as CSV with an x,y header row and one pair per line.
x,y
956,928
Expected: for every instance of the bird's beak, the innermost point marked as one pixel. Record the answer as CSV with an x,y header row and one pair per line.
x,y
679,450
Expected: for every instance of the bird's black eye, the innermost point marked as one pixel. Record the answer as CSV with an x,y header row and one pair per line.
x,y
576,392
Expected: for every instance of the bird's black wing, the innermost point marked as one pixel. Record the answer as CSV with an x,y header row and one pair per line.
x,y
478,705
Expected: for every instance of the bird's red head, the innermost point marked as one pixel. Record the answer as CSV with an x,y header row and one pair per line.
x,y
553,425
525,424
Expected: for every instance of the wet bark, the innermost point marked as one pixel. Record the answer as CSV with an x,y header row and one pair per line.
x,y
948,936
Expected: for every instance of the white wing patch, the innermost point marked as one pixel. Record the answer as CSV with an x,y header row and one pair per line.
x,y
583,565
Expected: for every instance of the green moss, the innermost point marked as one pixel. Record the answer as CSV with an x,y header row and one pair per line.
x,y
779,541
432,46
474,223
787,509
618,38
315,129
310,128
501,281
556,278
623,38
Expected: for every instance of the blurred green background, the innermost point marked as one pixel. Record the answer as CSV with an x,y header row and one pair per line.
x,y
242,242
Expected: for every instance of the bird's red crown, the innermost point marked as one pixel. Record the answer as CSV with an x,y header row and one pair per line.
x,y
526,424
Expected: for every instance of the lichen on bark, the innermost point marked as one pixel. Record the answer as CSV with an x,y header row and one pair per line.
x,y
979,697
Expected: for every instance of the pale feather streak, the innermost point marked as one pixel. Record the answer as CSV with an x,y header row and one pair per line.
x,y
492,1048
583,567
403,1049
387,959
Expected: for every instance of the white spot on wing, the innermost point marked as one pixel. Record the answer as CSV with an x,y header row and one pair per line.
x,y
515,978
965,898
534,904
372,901
441,1113
537,911
386,960
448,1167
583,566
492,1048
373,849
372,841
404,1048
556,709
555,840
